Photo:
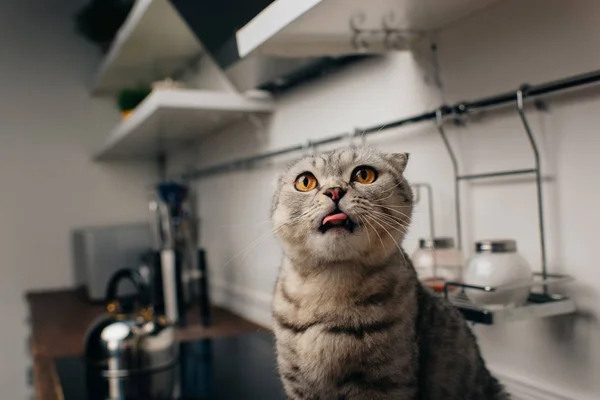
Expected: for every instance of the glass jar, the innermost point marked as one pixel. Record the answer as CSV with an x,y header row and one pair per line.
x,y
437,261
496,263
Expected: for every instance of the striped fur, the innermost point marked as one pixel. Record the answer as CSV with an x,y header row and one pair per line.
x,y
352,321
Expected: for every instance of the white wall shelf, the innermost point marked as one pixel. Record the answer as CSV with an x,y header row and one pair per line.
x,y
325,27
169,118
152,44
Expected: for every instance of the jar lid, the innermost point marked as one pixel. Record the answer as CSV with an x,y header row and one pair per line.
x,y
437,243
496,246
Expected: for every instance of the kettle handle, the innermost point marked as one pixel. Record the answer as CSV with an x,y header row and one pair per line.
x,y
112,304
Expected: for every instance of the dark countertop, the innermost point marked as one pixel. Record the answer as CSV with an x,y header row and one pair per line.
x,y
59,320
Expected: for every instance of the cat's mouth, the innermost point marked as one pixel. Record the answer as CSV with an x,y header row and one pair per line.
x,y
337,220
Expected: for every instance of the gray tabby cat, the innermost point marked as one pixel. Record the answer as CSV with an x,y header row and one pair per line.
x,y
352,321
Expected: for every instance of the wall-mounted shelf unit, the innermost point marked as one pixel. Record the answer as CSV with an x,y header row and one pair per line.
x,y
538,305
152,44
167,118
326,27
161,38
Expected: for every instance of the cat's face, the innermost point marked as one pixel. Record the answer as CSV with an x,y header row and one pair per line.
x,y
349,204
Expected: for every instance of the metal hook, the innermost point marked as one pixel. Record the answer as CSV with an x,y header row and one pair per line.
x,y
439,119
360,41
355,133
351,135
363,138
306,146
395,40
356,20
388,21
538,179
311,147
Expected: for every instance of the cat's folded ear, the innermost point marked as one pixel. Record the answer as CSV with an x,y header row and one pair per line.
x,y
398,160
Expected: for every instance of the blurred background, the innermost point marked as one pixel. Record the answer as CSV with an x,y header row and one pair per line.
x,y
147,135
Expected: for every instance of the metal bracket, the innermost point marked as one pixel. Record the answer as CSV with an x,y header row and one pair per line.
x,y
393,38
538,181
439,123
310,147
356,133
520,94
360,41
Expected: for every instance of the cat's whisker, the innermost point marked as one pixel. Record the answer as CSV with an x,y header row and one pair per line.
x,y
361,219
390,217
375,230
393,210
392,237
397,244
393,218
386,197
244,252
391,190
388,205
381,211
392,224
366,211
402,222
249,224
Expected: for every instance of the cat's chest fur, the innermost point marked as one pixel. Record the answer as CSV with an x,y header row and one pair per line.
x,y
338,325
310,311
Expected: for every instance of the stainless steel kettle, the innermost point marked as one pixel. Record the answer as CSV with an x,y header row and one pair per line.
x,y
125,342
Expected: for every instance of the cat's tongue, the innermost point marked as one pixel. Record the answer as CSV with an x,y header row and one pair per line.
x,y
334,218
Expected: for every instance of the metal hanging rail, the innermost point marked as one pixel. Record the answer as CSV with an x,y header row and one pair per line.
x,y
465,107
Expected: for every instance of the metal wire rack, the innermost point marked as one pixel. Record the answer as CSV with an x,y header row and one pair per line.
x,y
538,304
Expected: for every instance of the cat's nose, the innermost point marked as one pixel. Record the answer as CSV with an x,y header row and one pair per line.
x,y
335,193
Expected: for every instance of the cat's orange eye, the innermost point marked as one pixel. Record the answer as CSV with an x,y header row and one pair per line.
x,y
305,182
364,175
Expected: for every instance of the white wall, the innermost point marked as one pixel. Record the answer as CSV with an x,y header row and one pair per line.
x,y
509,44
561,353
48,184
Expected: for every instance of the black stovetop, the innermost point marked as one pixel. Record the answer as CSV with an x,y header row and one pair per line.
x,y
234,368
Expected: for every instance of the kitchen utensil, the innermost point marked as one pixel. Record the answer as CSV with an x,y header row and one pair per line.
x,y
172,286
169,212
496,264
127,341
150,270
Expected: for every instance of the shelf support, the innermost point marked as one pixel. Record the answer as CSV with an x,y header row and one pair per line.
x,y
496,174
439,123
538,181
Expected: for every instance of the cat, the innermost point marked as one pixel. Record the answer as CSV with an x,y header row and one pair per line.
x,y
351,320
